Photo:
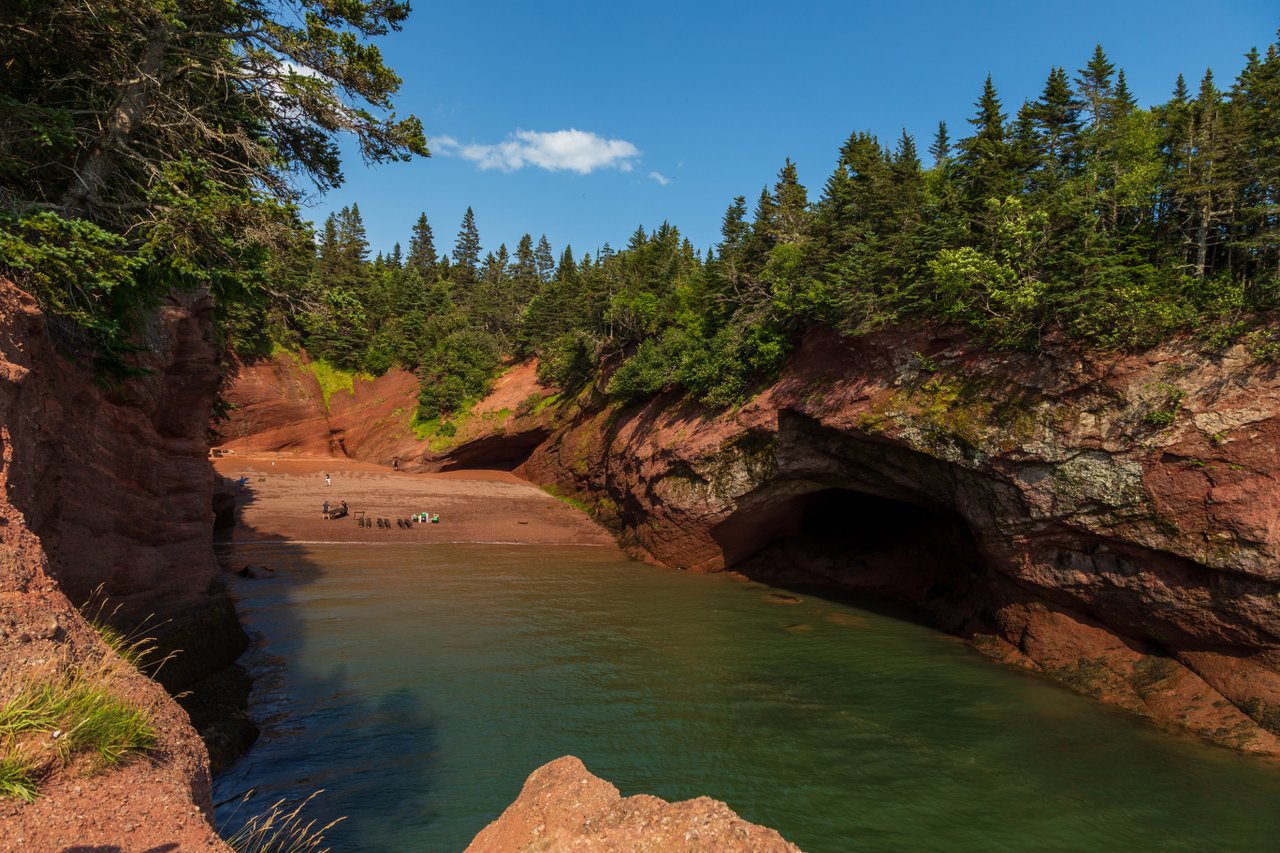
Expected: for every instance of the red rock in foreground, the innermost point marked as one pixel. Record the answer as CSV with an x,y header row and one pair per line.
x,y
563,806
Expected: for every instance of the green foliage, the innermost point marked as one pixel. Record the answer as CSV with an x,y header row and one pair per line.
x,y
567,361
333,379
78,271
87,719
1165,409
458,368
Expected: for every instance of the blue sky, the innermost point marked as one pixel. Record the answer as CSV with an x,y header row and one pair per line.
x,y
681,106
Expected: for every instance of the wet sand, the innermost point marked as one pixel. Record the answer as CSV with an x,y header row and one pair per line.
x,y
284,496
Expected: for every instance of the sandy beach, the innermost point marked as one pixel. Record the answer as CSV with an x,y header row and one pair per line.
x,y
283,497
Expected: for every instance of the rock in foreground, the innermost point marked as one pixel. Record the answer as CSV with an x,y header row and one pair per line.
x,y
563,806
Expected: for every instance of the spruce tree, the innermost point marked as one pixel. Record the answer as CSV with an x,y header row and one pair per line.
x,y
984,160
466,249
422,250
1095,87
792,212
546,261
940,148
1057,117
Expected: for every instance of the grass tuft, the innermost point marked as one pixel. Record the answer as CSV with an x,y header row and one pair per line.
x,y
56,720
281,830
17,778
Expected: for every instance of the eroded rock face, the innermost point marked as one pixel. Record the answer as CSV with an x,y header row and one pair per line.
x,y
1113,524
564,807
118,486
158,802
278,406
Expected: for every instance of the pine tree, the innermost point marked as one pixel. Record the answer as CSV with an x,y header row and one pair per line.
x,y
422,250
1095,87
1057,116
940,148
984,161
545,259
466,249
792,213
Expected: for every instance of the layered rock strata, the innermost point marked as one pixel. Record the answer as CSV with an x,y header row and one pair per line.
x,y
111,492
1112,523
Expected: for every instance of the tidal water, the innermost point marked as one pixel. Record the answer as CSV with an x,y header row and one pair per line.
x,y
420,686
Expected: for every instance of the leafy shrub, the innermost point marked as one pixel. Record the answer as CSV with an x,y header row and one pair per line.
x,y
458,368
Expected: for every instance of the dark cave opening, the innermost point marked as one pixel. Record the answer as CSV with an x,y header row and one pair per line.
x,y
495,452
856,542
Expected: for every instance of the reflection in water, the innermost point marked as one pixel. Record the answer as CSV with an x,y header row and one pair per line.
x,y
419,686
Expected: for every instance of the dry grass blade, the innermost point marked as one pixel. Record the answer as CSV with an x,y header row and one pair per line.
x,y
281,830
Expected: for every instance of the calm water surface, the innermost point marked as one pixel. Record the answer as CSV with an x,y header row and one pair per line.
x,y
420,686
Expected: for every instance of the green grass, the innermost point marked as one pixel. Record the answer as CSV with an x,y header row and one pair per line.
x,y
17,778
55,720
333,379
138,650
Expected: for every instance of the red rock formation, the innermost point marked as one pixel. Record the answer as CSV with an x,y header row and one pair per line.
x,y
68,479
564,807
117,484
277,405
1111,523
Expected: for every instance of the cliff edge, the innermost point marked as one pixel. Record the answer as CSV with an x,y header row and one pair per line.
x,y
1112,523
108,495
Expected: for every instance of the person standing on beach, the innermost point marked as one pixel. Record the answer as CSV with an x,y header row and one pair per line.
x,y
327,480
326,509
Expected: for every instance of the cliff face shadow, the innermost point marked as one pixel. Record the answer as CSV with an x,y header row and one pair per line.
x,y
901,558
321,734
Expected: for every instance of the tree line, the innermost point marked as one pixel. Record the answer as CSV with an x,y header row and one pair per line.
x,y
1080,217
148,145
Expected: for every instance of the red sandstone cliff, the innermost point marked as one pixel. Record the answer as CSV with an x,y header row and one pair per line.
x,y
1113,523
112,490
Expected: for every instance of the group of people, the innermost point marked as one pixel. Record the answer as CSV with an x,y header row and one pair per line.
x,y
341,510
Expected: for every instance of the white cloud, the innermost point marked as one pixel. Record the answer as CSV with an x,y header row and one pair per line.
x,y
558,150
662,179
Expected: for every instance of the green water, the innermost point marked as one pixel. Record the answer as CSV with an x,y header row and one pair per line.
x,y
419,687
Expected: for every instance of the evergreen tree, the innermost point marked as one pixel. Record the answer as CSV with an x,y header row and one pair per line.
x,y
1095,88
422,250
792,205
940,148
546,261
466,249
985,162
1057,117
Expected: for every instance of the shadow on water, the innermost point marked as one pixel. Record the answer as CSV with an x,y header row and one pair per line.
x,y
372,758
420,687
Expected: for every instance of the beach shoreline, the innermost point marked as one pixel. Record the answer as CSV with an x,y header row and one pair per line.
x,y
279,497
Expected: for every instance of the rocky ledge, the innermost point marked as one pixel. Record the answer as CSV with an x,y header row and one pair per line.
x,y
1111,523
564,807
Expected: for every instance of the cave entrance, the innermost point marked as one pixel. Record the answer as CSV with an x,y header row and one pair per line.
x,y
495,452
855,541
